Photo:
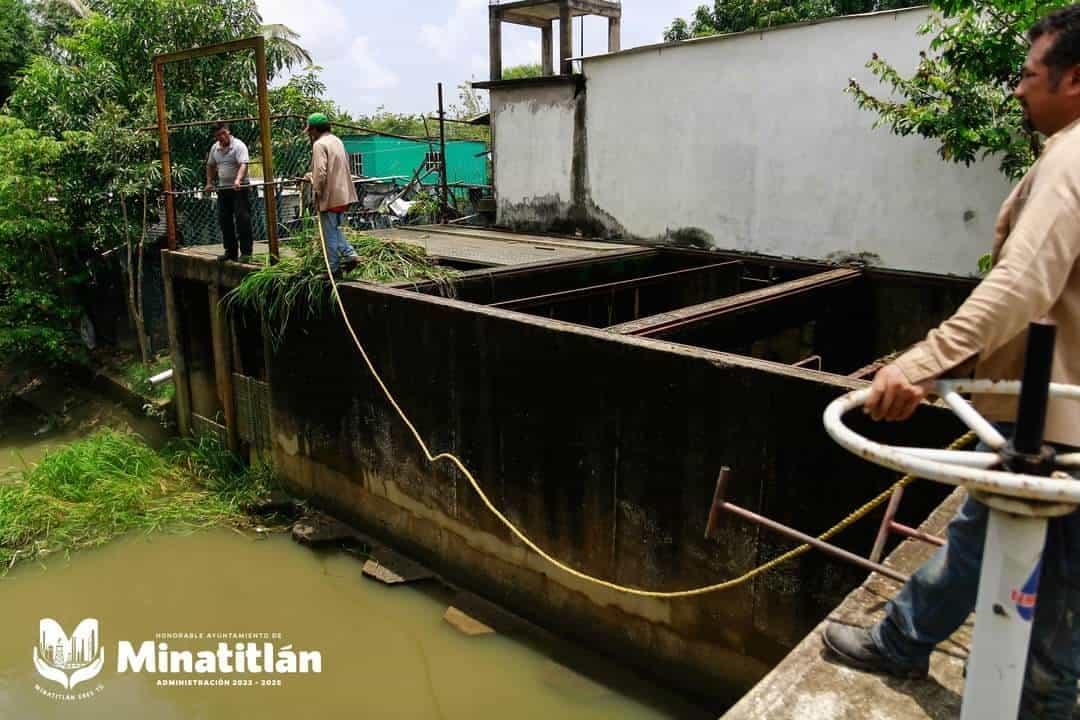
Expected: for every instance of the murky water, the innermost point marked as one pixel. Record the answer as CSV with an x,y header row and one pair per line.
x,y
386,651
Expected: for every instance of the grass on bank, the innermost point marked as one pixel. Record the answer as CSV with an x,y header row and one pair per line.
x,y
138,377
111,483
297,285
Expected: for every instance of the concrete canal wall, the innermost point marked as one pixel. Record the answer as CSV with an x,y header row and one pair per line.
x,y
603,447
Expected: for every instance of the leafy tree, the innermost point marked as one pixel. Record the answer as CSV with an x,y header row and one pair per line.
x,y
728,16
16,42
39,261
961,93
521,72
88,91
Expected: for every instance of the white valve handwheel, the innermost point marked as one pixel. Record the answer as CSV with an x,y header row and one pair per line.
x,y
957,467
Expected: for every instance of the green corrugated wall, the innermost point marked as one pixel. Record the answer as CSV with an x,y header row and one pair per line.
x,y
388,157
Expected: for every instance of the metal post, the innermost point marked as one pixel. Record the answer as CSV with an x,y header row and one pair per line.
x,y
269,191
1008,585
1012,556
166,158
442,163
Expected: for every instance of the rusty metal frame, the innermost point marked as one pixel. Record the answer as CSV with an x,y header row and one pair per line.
x,y
666,322
720,505
258,44
578,293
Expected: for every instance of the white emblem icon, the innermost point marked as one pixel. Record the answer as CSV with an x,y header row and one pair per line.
x,y
68,660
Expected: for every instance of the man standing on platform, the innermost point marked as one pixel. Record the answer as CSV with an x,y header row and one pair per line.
x,y
332,182
228,162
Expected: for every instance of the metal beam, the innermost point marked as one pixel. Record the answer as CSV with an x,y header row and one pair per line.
x,y
206,51
577,293
270,198
666,322
258,44
166,154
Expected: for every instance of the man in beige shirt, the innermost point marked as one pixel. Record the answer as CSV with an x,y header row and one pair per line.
x,y
1035,275
332,182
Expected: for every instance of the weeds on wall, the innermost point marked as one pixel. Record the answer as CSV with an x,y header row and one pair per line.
x,y
297,286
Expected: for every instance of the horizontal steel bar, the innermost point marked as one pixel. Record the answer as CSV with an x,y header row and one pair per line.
x,y
902,529
666,322
192,53
576,293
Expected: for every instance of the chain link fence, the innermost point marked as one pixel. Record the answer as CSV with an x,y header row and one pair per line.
x,y
383,202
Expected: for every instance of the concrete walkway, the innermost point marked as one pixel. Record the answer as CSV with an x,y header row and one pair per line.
x,y
808,685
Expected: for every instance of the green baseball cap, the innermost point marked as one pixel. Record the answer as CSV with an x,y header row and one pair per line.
x,y
318,119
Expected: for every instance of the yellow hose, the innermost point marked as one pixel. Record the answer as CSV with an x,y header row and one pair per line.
x,y
448,457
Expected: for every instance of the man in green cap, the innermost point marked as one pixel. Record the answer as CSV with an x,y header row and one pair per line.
x,y
334,190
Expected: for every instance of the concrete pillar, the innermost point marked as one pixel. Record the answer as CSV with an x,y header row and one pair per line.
x,y
547,48
614,34
219,331
566,38
176,352
495,41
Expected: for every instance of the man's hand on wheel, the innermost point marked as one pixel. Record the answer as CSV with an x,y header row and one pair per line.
x,y
892,397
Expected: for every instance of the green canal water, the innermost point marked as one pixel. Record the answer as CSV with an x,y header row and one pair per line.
x,y
386,652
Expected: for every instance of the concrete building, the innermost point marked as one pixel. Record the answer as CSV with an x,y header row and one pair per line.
x,y
741,142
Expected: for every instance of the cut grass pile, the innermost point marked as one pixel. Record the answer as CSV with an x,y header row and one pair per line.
x,y
111,483
297,285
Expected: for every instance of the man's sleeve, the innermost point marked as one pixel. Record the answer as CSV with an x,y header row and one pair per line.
x,y
1035,264
210,162
242,154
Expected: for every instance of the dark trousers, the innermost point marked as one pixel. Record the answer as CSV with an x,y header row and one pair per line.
x,y
234,216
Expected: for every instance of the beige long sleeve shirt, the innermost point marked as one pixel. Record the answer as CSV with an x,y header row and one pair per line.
x,y
330,174
1035,275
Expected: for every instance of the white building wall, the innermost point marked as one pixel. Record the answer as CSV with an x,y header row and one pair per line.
x,y
752,139
533,157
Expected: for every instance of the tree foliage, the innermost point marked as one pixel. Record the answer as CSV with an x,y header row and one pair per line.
x,y
728,16
79,105
960,94
521,72
16,42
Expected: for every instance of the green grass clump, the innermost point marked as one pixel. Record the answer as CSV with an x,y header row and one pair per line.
x,y
111,483
138,377
297,285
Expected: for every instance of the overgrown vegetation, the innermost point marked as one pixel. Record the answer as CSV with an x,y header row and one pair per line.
x,y
137,375
297,286
111,483
78,179
961,93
